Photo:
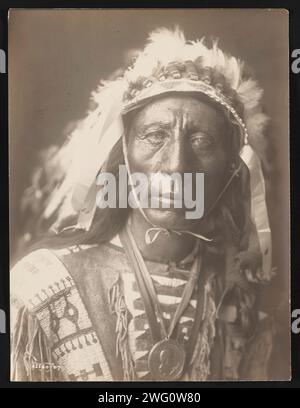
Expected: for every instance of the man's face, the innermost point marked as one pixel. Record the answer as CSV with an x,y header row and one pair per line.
x,y
180,134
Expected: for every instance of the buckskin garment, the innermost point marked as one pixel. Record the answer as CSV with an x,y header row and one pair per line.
x,y
79,317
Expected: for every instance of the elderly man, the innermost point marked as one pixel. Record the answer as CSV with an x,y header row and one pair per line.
x,y
145,292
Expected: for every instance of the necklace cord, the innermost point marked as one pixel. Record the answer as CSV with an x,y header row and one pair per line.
x,y
149,307
147,289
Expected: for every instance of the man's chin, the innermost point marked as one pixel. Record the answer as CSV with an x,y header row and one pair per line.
x,y
170,219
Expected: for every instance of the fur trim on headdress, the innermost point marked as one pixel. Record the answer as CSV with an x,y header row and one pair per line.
x,y
165,46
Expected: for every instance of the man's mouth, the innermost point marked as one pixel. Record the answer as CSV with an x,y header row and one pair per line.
x,y
166,202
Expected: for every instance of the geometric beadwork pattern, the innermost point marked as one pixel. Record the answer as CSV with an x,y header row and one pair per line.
x,y
44,285
54,299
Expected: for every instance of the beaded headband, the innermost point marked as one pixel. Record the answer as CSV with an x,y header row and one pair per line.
x,y
138,96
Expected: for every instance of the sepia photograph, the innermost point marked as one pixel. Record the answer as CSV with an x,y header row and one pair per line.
x,y
149,195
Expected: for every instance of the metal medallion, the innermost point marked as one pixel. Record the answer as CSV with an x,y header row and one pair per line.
x,y
166,360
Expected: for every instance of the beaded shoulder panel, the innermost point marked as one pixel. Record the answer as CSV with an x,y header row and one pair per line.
x,y
42,284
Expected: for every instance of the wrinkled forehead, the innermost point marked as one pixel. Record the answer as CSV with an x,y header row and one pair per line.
x,y
185,110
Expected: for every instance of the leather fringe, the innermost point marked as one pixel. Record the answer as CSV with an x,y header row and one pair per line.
x,y
31,355
118,306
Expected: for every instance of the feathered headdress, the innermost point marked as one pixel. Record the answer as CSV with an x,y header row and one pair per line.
x,y
219,76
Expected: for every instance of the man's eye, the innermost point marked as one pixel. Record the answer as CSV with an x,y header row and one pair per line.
x,y
202,142
156,137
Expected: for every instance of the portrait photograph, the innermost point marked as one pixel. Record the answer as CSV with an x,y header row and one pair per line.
x,y
149,195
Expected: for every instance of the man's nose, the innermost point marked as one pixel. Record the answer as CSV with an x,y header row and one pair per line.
x,y
176,156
